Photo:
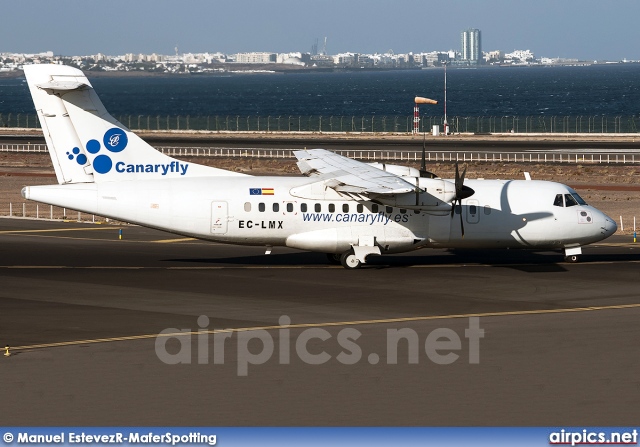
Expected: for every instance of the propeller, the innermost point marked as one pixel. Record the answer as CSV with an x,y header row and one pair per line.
x,y
423,163
423,168
462,192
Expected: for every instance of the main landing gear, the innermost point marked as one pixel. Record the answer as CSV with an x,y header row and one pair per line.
x,y
355,257
349,260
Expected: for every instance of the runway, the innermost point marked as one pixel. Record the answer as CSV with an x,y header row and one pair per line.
x,y
81,310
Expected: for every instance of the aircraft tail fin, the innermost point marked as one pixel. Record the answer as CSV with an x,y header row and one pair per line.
x,y
86,143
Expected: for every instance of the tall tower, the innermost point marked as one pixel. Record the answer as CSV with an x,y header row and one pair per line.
x,y
471,44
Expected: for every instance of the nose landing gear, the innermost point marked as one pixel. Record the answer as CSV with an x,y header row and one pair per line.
x,y
572,254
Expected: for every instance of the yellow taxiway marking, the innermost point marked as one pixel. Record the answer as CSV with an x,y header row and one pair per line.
x,y
616,244
169,241
54,230
159,241
328,324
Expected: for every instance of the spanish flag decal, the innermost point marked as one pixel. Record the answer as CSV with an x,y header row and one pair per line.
x,y
261,191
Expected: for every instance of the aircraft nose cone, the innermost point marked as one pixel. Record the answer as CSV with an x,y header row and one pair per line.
x,y
610,226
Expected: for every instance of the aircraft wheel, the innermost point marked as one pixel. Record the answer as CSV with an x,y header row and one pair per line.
x,y
349,260
334,258
572,258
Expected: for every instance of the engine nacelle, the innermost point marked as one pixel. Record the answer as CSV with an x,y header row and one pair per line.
x,y
433,195
402,171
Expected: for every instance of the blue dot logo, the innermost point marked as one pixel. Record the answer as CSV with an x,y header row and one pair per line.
x,y
93,146
102,164
81,159
115,140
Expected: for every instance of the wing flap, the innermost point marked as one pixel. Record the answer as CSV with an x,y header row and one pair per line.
x,y
350,176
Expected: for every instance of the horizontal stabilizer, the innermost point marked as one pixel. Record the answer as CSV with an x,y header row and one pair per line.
x,y
63,85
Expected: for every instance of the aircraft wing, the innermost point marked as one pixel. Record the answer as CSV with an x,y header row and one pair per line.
x,y
350,176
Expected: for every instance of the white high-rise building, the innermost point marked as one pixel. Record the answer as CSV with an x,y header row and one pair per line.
x,y
471,43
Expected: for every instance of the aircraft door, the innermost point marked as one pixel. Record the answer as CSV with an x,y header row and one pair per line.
x,y
473,211
219,217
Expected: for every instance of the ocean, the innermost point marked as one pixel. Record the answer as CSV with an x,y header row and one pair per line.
x,y
610,90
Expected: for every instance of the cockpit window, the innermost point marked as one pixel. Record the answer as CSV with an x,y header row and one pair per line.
x,y
569,200
558,201
579,199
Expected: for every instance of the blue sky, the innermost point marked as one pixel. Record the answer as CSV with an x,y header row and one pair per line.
x,y
584,29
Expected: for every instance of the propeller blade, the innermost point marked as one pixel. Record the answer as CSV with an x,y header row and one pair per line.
x,y
457,177
461,222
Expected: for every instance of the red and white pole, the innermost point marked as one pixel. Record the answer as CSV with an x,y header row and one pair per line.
x,y
416,111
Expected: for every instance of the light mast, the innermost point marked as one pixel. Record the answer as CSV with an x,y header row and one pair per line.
x,y
446,125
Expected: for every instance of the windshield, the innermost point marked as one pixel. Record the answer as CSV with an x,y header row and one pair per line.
x,y
579,199
567,200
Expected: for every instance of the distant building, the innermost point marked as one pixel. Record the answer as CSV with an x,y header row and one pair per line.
x,y
520,56
471,45
345,59
435,58
256,58
493,56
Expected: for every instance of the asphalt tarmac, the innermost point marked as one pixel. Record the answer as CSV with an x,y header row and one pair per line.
x,y
492,337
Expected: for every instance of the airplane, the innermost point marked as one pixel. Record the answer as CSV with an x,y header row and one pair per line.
x,y
345,208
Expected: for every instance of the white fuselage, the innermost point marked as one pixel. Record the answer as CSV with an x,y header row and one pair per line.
x,y
302,213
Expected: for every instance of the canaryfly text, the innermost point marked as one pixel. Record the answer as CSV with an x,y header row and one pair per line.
x,y
164,169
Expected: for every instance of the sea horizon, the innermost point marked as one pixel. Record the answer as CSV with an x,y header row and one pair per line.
x,y
610,90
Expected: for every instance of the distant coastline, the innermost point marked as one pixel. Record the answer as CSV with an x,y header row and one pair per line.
x,y
274,69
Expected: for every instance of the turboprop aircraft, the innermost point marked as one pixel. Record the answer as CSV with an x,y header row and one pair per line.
x,y
342,207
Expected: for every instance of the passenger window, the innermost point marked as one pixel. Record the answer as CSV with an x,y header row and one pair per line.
x,y
332,208
360,208
345,208
261,207
487,210
416,211
458,209
558,201
473,209
303,207
289,207
318,208
276,207
569,200
247,207
403,211
389,209
374,208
